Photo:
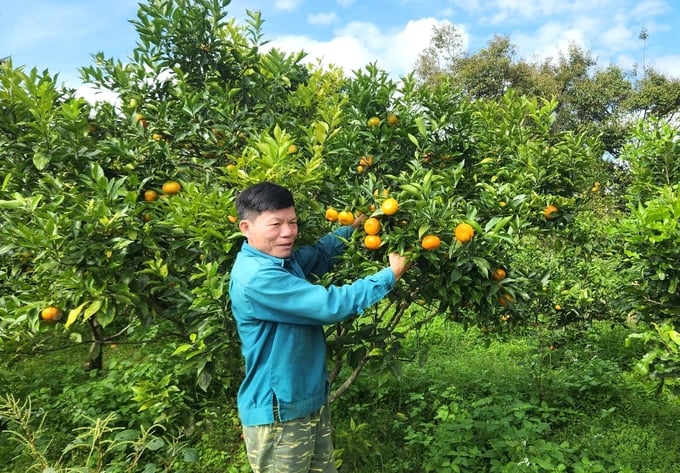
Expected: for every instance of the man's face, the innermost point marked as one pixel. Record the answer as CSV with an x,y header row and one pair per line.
x,y
272,232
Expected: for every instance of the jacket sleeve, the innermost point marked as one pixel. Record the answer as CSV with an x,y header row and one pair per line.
x,y
319,258
279,296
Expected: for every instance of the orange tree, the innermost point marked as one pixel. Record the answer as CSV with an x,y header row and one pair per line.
x,y
650,234
202,104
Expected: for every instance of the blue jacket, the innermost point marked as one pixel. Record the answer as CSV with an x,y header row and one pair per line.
x,y
280,316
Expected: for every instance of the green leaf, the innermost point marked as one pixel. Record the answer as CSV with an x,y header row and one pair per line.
x,y
74,313
40,161
92,309
413,140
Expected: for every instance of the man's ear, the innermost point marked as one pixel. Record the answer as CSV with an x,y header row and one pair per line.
x,y
244,226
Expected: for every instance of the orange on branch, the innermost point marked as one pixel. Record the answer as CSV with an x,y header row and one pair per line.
x,y
345,217
464,232
549,212
505,299
372,226
51,314
392,119
498,274
389,206
373,122
171,187
372,242
331,214
150,195
366,161
430,242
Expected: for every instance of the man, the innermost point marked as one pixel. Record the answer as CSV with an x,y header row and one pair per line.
x,y
280,316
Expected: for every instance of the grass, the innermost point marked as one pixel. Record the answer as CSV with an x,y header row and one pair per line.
x,y
541,401
555,401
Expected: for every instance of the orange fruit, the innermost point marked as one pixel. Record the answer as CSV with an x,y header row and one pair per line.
x,y
558,307
331,214
549,211
171,187
232,218
140,119
366,161
372,226
430,242
389,206
505,299
373,122
392,119
345,217
498,274
51,314
360,169
464,232
150,195
292,149
372,242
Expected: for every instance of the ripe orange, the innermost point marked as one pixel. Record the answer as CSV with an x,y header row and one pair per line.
x,y
549,212
373,122
372,226
505,299
232,218
171,187
51,314
389,206
331,214
430,242
498,274
292,149
150,195
558,307
360,169
464,232
392,119
366,160
345,217
372,242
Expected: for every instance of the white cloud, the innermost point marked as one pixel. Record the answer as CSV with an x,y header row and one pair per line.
x,y
669,64
322,18
616,38
549,41
345,3
287,5
357,44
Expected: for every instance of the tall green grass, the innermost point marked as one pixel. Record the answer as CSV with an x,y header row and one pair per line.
x,y
544,401
466,401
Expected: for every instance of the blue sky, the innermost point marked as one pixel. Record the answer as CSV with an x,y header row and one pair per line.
x,y
61,35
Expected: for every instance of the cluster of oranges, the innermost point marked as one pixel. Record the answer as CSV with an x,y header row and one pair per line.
x,y
169,188
364,162
464,232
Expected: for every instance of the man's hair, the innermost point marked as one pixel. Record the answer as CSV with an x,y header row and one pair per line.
x,y
261,197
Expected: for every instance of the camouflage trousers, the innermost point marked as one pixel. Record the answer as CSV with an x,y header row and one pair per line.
x,y
297,446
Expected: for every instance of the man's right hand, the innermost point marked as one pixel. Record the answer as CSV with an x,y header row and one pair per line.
x,y
398,264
